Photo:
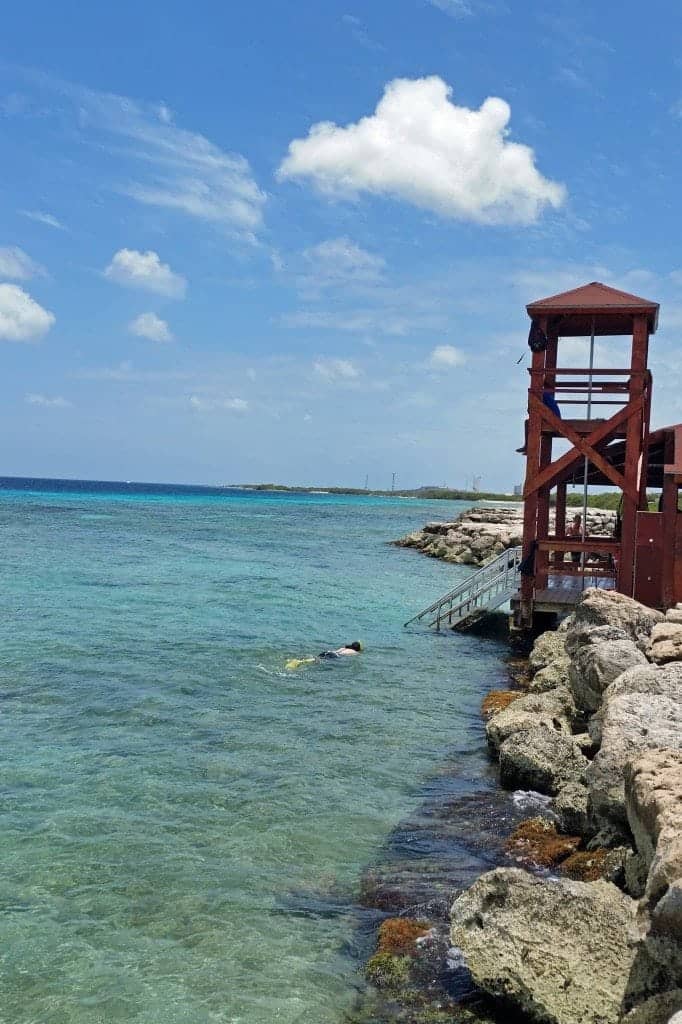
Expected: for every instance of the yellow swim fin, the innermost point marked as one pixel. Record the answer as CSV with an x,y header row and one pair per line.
x,y
295,663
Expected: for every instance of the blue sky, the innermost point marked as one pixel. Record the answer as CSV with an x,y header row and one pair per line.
x,y
295,242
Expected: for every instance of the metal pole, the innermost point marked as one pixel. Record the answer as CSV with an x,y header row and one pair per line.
x,y
586,470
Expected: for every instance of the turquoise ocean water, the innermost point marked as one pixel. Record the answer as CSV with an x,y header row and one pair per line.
x,y
177,808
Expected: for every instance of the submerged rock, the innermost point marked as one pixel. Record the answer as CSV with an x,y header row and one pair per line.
x,y
536,841
385,970
399,935
560,951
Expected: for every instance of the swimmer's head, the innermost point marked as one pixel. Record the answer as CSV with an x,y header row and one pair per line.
x,y
354,646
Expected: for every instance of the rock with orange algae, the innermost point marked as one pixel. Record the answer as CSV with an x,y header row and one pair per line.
x,y
592,865
398,935
498,700
536,841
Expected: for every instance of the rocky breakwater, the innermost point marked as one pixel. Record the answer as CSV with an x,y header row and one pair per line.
x,y
479,534
596,936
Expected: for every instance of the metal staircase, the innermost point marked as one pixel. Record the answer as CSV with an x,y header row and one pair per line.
x,y
482,592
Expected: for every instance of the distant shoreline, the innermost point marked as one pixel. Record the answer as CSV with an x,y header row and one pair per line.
x,y
426,493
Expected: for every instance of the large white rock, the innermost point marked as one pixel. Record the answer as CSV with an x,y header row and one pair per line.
x,y
664,680
632,723
653,795
595,666
560,951
553,710
608,608
541,759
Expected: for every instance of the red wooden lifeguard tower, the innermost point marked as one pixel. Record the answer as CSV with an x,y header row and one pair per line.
x,y
643,556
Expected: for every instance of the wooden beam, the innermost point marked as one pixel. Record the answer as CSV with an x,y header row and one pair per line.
x,y
530,506
584,448
599,547
633,452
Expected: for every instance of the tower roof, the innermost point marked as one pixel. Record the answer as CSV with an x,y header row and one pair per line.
x,y
611,309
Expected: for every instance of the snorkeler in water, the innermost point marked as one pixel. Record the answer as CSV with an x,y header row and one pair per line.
x,y
355,647
352,648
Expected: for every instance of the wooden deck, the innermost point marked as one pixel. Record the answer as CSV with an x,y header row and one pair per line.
x,y
560,599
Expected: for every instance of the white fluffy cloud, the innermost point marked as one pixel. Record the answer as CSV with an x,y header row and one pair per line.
x,y
145,270
420,147
17,265
444,357
150,326
21,317
336,369
49,403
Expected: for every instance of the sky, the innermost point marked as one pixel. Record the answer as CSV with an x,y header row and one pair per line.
x,y
294,242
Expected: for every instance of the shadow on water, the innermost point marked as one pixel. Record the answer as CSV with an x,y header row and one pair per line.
x,y
455,833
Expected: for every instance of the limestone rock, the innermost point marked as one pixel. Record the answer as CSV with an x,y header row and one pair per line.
x,y
636,871
665,680
481,533
581,635
552,675
608,608
560,951
552,710
596,665
653,788
666,642
673,615
547,648
570,807
631,724
541,759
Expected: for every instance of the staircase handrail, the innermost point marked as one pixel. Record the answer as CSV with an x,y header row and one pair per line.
x,y
485,579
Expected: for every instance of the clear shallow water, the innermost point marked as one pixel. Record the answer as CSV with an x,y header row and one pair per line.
x,y
167,786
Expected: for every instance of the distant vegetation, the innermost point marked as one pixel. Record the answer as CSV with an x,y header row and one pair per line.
x,y
606,500
610,500
440,493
